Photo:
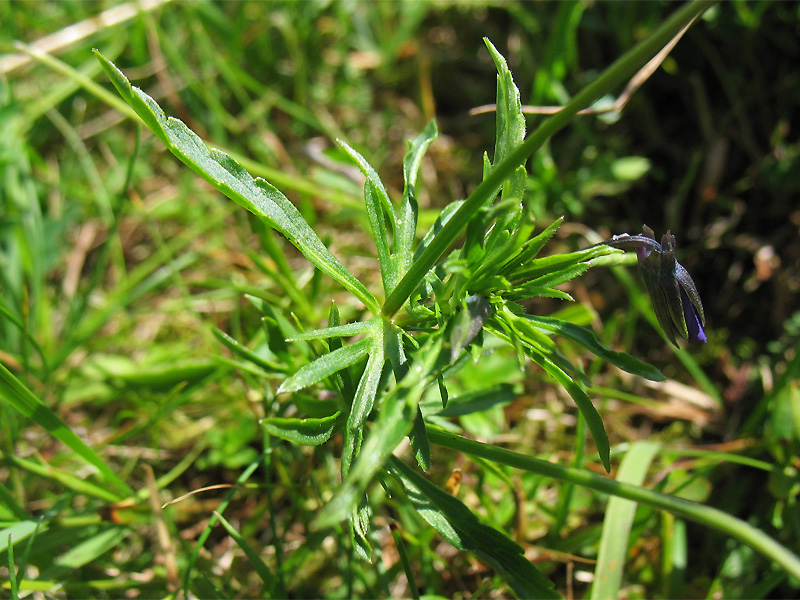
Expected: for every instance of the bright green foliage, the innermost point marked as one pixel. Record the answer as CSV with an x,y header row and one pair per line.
x,y
472,292
230,178
13,392
331,434
460,527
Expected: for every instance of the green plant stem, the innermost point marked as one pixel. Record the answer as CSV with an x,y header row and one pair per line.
x,y
699,513
617,73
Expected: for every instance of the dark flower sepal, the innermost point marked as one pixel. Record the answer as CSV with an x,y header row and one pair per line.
x,y
673,293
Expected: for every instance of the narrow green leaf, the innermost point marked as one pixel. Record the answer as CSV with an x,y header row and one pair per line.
x,y
396,418
379,209
525,291
20,531
506,252
381,236
459,526
535,244
258,565
365,396
325,366
407,218
12,570
358,522
343,379
372,176
22,399
537,342
85,552
164,375
245,352
617,522
405,561
510,130
418,436
586,338
394,423
562,275
230,178
479,401
526,341
539,267
64,478
200,543
338,331
583,403
308,432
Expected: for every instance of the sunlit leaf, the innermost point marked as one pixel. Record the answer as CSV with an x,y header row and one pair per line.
x,y
230,178
456,523
308,432
326,365
20,398
407,216
587,339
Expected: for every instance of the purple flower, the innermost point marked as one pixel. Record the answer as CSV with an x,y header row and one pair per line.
x,y
673,293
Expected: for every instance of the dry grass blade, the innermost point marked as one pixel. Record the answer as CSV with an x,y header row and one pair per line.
x,y
71,35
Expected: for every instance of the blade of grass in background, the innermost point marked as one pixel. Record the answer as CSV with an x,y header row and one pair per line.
x,y
705,515
22,399
617,522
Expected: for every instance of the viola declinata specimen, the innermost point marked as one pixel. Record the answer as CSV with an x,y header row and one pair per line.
x,y
671,289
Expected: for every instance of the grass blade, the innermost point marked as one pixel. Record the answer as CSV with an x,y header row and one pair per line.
x,y
693,511
617,522
22,399
259,566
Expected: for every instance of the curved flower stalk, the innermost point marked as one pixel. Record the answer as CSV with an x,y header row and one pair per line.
x,y
672,291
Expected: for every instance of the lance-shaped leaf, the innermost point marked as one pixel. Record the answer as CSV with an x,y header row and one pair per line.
x,y
396,419
459,526
586,338
407,217
308,432
518,330
379,210
365,395
230,178
326,365
510,125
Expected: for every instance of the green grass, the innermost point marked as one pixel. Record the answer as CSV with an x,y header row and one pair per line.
x,y
144,316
